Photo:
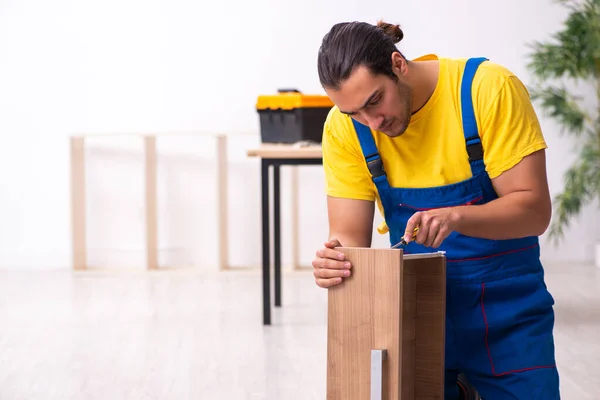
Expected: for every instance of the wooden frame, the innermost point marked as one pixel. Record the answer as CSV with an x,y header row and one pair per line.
x,y
386,327
78,198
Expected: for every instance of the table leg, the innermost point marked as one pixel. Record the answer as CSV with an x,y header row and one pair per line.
x,y
277,233
266,262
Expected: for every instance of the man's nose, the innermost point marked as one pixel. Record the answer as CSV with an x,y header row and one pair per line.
x,y
374,122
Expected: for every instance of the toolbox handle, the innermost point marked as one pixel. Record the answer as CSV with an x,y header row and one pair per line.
x,y
288,90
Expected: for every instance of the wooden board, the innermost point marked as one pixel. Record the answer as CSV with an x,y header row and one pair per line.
x,y
430,324
363,315
390,302
274,150
78,200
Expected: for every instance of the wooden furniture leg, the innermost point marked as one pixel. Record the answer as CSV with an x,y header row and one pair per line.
x,y
151,203
222,201
79,253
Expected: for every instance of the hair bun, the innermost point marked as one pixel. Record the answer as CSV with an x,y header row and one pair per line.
x,y
391,30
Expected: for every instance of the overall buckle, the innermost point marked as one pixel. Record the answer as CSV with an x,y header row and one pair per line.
x,y
475,151
376,167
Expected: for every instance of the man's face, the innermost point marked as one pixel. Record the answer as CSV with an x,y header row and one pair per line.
x,y
375,100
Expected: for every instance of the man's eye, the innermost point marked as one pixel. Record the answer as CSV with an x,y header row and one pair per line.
x,y
374,102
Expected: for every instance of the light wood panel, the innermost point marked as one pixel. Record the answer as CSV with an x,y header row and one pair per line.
x,y
78,233
408,336
430,323
151,203
363,315
286,151
394,303
222,202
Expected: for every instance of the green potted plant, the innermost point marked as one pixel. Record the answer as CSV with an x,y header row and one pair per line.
x,y
571,60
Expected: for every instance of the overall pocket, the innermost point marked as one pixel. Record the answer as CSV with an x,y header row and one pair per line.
x,y
518,322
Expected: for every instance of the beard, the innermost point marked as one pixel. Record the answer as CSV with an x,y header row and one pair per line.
x,y
398,125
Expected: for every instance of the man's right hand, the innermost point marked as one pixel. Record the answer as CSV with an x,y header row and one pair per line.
x,y
330,266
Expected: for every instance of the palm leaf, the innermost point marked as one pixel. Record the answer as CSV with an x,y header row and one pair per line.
x,y
562,106
582,184
572,53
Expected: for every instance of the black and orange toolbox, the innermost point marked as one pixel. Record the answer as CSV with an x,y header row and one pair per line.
x,y
290,116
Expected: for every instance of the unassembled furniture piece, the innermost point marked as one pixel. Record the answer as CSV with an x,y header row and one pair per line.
x,y
79,245
386,327
276,155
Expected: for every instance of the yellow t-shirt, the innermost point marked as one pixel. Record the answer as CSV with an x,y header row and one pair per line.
x,y
432,151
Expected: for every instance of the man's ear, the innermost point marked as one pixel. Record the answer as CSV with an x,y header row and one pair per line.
x,y
399,64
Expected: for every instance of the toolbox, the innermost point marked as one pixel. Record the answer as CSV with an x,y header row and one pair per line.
x,y
290,116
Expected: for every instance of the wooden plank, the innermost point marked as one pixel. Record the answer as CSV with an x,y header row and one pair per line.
x,y
286,151
151,203
408,334
430,324
364,314
78,227
222,202
165,134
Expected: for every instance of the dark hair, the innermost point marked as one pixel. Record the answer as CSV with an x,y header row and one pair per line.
x,y
349,45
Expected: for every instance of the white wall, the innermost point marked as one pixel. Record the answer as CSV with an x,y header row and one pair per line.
x,y
139,66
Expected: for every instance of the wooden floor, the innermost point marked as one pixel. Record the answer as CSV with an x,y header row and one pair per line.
x,y
193,335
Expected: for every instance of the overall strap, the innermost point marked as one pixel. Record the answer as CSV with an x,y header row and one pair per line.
x,y
472,139
372,157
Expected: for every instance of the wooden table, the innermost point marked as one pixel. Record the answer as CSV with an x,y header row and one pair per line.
x,y
276,155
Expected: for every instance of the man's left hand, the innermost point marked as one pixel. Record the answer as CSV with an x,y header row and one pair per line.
x,y
434,226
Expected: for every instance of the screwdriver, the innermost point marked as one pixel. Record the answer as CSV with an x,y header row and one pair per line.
x,y
403,242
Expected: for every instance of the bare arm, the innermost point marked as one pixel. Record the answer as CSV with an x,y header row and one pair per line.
x,y
350,225
351,221
509,128
522,209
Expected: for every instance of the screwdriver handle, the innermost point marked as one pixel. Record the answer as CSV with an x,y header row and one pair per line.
x,y
403,242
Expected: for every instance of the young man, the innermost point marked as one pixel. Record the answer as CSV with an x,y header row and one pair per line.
x,y
454,148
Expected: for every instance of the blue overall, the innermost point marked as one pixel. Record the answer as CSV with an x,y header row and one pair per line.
x,y
499,314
